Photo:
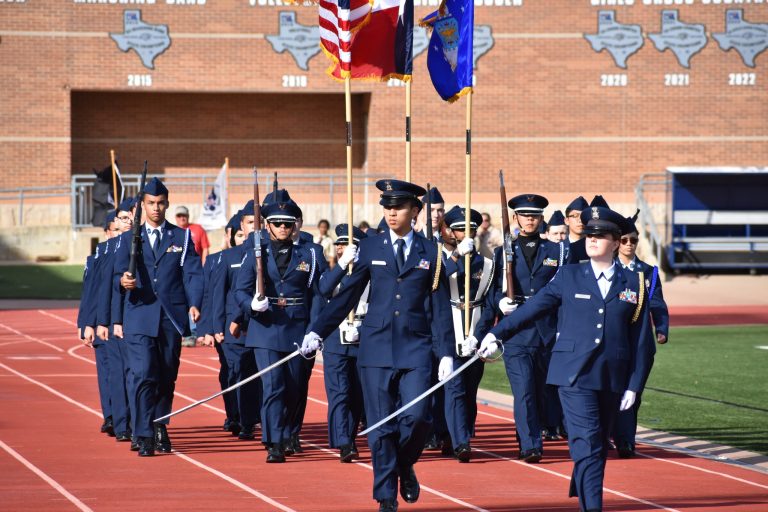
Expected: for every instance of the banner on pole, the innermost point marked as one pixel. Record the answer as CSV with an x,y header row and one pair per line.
x,y
449,58
214,212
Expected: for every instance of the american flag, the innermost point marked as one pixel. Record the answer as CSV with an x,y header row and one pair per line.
x,y
338,20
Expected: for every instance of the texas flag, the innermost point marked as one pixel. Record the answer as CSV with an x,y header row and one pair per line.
x,y
373,41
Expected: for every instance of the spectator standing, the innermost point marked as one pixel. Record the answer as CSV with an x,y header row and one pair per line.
x,y
488,237
199,236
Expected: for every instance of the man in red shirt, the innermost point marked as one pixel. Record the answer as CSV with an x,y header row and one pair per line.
x,y
199,236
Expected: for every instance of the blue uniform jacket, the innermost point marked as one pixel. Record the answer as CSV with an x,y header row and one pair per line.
x,y
332,343
576,251
658,306
598,346
488,315
527,283
104,288
173,283
225,308
86,313
204,324
396,331
279,327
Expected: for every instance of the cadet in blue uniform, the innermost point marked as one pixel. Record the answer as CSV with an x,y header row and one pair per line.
x,y
575,229
87,321
556,229
526,352
601,350
278,320
407,294
342,382
116,350
159,300
577,252
626,423
460,394
436,215
230,325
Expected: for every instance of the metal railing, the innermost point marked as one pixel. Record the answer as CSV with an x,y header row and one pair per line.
x,y
655,185
24,193
197,186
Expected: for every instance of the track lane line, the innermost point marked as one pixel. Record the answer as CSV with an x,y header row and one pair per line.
x,y
57,317
702,469
36,340
195,462
47,479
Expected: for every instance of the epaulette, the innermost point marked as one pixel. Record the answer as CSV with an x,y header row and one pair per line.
x,y
438,267
640,296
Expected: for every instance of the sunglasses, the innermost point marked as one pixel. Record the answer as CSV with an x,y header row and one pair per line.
x,y
627,241
282,224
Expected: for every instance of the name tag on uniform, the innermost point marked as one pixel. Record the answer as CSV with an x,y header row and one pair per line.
x,y
175,248
378,262
549,262
628,296
424,264
236,265
583,296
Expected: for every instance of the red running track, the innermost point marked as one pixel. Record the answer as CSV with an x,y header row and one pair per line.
x,y
52,456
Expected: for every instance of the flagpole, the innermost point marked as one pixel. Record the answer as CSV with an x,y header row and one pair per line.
x,y
348,120
114,179
467,212
408,130
226,185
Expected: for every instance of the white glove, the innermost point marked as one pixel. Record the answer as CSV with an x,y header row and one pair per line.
x,y
348,256
468,345
628,400
259,306
507,305
445,368
488,346
350,333
310,344
465,246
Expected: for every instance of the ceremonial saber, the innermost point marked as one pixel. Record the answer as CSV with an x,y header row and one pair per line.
x,y
422,396
232,387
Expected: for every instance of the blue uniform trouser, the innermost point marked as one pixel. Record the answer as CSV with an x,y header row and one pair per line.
x,y
455,408
154,362
472,377
550,410
626,421
345,398
589,418
102,374
241,362
130,388
297,416
280,394
230,399
522,368
398,443
118,393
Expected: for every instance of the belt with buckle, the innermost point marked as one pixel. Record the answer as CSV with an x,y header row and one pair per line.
x,y
459,304
286,301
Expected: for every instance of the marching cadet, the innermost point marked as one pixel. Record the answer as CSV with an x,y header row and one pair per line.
x,y
160,298
278,320
436,215
526,351
626,423
407,294
577,252
556,230
229,326
601,354
342,382
461,393
87,321
116,350
575,228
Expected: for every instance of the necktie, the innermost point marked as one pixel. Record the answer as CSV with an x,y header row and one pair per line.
x,y
400,243
156,244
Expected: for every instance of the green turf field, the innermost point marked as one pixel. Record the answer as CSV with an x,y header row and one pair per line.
x,y
707,383
40,281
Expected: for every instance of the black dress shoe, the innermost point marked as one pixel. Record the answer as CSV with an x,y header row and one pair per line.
x,y
123,437
275,453
549,434
162,441
108,427
134,444
409,485
227,423
296,444
625,449
562,432
463,453
531,456
389,505
247,433
432,443
348,453
235,427
146,446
